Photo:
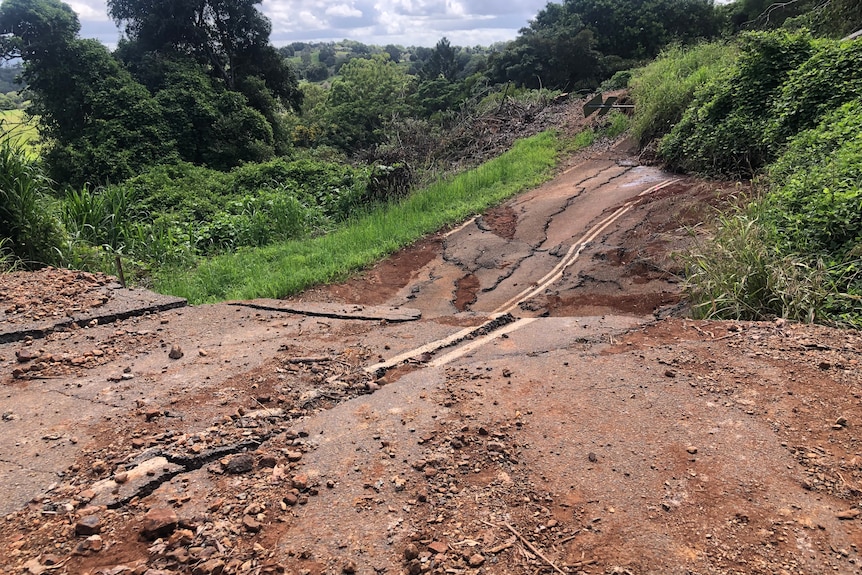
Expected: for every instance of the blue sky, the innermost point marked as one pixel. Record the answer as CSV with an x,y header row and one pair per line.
x,y
404,22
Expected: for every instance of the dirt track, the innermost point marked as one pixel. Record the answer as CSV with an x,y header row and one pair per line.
x,y
551,411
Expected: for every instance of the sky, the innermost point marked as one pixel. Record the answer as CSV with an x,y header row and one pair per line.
x,y
376,22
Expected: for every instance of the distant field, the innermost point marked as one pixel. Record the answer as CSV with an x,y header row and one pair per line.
x,y
15,125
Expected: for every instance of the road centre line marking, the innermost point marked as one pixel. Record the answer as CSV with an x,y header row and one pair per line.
x,y
479,342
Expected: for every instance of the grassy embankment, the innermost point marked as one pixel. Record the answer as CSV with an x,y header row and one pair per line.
x,y
784,110
289,267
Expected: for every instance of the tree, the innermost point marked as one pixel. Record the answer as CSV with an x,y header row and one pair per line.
x,y
578,43
555,51
30,28
230,37
442,62
368,93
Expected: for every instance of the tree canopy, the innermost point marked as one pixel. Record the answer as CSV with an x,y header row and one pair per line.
x,y
192,81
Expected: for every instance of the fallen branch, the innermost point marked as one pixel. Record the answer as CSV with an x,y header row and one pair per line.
x,y
309,359
530,546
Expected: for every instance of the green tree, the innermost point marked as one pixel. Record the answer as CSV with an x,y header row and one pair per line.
x,y
229,37
98,122
579,43
442,62
368,93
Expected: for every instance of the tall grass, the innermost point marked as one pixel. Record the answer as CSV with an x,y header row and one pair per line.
x,y
27,213
738,273
663,89
289,267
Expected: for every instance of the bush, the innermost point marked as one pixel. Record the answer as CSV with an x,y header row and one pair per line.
x,y
816,187
796,252
663,89
831,77
722,132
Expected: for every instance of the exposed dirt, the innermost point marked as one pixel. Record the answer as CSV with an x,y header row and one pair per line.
x,y
551,412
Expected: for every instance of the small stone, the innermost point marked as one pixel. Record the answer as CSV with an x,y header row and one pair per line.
x,y
176,352
592,457
476,560
202,353
94,543
349,567
121,477
242,463
268,460
438,547
152,413
848,515
26,354
294,455
159,522
50,559
211,567
691,449
251,524
300,481
411,552
291,499
88,525
669,373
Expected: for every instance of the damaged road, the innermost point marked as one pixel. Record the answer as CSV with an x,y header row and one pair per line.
x,y
520,394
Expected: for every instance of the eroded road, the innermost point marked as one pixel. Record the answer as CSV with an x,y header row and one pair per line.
x,y
512,396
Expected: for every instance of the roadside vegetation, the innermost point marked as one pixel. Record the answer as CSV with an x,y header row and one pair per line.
x,y
787,115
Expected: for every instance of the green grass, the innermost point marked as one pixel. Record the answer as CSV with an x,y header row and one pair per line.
x,y
663,89
287,268
20,130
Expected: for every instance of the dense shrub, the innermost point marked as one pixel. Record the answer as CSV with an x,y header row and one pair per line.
x,y
722,132
664,88
816,188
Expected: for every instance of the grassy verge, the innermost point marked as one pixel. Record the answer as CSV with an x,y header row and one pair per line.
x,y
287,268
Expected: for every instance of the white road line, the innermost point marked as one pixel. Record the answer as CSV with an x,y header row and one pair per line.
x,y
479,342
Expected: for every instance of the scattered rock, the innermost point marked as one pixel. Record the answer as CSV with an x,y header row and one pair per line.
x,y
293,455
27,354
159,522
176,352
251,524
411,552
476,560
691,449
210,567
849,514
438,547
88,525
242,463
349,567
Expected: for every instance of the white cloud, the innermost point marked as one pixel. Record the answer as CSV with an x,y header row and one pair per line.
x,y
343,11
405,22
90,11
